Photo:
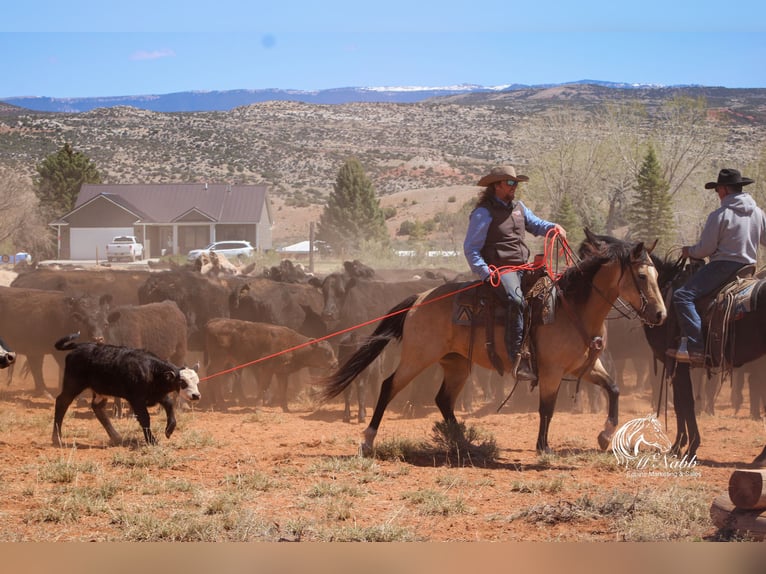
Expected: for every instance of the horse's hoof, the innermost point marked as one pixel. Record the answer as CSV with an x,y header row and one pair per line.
x,y
604,440
365,450
43,394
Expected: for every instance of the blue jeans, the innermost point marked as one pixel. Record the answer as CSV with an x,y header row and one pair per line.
x,y
511,281
704,282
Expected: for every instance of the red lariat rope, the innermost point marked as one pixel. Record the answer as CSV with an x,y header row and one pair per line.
x,y
550,259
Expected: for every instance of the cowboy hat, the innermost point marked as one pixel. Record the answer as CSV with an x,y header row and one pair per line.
x,y
729,177
499,173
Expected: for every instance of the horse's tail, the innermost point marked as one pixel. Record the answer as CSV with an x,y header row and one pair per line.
x,y
389,328
67,343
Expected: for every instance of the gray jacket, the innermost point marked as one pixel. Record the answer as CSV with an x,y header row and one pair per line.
x,y
733,231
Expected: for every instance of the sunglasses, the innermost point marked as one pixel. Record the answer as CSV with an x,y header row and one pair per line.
x,y
511,183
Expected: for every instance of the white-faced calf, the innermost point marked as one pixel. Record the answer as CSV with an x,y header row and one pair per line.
x,y
136,375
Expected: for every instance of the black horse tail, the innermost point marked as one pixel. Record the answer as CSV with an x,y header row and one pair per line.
x,y
389,328
67,343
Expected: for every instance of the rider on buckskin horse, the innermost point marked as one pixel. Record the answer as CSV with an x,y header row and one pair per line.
x,y
730,239
495,236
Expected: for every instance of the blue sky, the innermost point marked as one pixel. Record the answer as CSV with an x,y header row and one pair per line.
x,y
86,48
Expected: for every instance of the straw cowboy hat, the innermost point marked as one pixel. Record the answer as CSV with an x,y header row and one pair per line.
x,y
500,173
729,177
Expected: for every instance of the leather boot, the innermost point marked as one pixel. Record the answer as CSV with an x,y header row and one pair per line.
x,y
522,370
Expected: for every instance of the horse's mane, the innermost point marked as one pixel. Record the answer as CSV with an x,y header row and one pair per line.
x,y
576,283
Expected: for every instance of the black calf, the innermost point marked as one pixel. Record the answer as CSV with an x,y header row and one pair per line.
x,y
7,357
135,375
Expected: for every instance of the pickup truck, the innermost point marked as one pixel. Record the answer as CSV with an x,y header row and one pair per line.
x,y
124,247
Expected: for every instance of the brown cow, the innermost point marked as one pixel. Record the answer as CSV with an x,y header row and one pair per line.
x,y
231,341
156,327
34,318
122,285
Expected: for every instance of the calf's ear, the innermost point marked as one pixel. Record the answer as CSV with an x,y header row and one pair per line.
x,y
170,376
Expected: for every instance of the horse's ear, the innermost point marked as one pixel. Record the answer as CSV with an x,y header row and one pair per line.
x,y
638,250
650,249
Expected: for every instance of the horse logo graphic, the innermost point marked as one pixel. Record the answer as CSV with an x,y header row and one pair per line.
x,y
637,435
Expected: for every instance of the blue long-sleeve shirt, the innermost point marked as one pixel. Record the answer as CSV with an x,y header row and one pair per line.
x,y
476,235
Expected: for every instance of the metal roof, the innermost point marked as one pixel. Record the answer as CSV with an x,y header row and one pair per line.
x,y
166,202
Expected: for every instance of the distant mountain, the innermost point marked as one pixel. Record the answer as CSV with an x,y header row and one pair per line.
x,y
197,101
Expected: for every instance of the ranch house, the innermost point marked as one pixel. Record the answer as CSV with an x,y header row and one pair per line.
x,y
168,218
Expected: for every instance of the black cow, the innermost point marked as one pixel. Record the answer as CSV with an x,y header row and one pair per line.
x,y
136,375
7,357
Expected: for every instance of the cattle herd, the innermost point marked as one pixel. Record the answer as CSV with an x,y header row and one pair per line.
x,y
139,329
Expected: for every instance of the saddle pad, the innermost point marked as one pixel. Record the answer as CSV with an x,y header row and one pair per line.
x,y
469,307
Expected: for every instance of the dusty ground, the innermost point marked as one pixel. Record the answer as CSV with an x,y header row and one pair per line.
x,y
256,473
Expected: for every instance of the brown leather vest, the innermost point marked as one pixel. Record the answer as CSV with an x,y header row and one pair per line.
x,y
505,237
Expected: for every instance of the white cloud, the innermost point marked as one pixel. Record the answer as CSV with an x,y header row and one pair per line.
x,y
152,55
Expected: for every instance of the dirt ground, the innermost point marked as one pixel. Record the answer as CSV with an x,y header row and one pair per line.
x,y
256,473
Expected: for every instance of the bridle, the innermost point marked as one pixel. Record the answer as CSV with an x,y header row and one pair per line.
x,y
628,310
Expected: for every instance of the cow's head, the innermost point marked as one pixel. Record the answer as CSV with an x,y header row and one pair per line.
x,y
334,289
7,357
90,316
189,383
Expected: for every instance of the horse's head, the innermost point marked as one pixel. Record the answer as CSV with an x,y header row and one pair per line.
x,y
641,287
639,283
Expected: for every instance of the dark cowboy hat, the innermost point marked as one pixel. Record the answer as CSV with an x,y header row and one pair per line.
x,y
729,177
500,173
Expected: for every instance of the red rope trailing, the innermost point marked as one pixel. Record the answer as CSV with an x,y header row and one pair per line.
x,y
548,260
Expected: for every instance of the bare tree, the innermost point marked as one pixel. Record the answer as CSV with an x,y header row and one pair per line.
x,y
21,228
577,164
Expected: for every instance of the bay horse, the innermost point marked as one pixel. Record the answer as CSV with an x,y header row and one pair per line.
x,y
745,343
567,345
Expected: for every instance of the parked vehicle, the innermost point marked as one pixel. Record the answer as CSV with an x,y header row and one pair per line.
x,y
231,249
124,247
20,257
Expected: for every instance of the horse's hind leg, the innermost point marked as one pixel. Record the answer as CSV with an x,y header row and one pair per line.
x,y
402,377
456,371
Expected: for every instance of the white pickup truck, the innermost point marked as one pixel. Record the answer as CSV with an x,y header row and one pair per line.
x,y
124,247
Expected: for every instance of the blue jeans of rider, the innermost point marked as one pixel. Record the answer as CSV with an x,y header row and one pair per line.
x,y
511,281
704,282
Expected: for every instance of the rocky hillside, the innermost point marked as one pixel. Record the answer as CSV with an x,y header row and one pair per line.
x,y
297,148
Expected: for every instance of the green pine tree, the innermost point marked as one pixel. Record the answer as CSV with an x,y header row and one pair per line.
x,y
60,177
352,218
650,213
566,216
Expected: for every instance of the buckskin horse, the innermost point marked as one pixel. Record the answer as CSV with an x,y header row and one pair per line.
x,y
568,344
746,341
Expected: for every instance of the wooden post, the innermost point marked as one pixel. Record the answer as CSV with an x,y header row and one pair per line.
x,y
311,247
747,489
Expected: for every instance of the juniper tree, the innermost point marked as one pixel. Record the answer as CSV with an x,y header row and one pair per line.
x,y
60,177
352,217
650,214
